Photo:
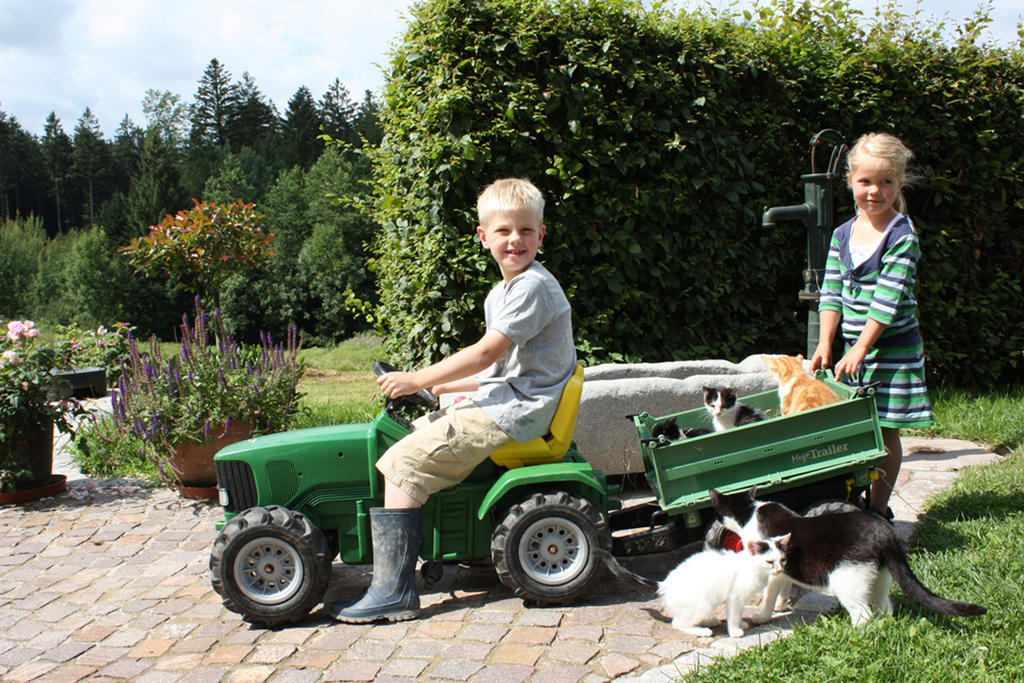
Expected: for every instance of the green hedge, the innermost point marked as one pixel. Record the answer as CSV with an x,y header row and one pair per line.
x,y
659,139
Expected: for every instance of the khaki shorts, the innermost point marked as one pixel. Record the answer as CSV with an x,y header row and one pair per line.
x,y
444,448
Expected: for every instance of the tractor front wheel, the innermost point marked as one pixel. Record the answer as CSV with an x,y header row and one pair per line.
x,y
271,565
547,547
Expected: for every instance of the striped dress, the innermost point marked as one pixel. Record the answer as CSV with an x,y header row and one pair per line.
x,y
882,288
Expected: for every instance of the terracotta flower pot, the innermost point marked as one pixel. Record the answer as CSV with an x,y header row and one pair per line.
x,y
198,492
54,485
193,463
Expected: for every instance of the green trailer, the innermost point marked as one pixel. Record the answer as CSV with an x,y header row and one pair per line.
x,y
827,453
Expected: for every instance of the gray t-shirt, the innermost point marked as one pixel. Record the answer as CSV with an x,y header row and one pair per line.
x,y
520,392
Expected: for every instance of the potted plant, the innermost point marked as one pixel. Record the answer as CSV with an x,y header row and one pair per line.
x,y
211,392
29,412
91,359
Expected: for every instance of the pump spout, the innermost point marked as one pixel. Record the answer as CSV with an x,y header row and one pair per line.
x,y
806,212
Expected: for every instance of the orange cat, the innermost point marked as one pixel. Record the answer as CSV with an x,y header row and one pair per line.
x,y
798,390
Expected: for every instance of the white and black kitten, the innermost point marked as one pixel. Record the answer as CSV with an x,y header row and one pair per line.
x,y
726,412
669,431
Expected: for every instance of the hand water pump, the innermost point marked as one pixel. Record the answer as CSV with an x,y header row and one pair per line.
x,y
816,213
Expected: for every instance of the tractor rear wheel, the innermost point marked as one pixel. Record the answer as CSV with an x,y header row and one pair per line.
x,y
547,547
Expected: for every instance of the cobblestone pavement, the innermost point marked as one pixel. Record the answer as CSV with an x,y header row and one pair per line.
x,y
110,581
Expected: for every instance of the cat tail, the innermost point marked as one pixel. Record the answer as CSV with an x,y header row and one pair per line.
x,y
896,562
623,574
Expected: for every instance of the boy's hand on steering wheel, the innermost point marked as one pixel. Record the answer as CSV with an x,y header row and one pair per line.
x,y
395,383
398,383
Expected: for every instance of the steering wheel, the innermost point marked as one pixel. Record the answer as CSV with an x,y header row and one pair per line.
x,y
423,398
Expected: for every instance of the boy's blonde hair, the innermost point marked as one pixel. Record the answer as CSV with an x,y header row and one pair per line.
x,y
509,194
883,146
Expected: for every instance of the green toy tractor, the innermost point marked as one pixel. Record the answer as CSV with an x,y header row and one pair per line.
x,y
296,500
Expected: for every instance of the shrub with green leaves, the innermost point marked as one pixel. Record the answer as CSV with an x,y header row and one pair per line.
x,y
203,246
20,245
319,259
659,138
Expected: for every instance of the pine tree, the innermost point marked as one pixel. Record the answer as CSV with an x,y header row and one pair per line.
x,y
216,103
155,190
57,151
7,129
367,121
301,145
90,159
125,151
255,120
22,174
337,111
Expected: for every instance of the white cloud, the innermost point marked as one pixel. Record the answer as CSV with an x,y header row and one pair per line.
x,y
103,54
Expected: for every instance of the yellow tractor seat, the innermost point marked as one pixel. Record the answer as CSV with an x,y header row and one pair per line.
x,y
552,446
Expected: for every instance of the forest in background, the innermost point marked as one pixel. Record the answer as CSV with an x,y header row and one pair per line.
x,y
68,200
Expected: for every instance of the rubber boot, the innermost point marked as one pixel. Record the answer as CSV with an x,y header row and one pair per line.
x,y
392,595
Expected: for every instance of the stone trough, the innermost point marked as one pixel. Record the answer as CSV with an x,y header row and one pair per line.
x,y
611,392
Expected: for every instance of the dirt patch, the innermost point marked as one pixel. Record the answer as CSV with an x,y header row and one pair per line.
x,y
314,373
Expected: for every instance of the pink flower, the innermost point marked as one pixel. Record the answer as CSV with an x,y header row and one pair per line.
x,y
14,329
11,357
21,328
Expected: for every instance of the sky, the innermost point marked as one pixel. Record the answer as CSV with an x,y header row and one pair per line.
x,y
66,55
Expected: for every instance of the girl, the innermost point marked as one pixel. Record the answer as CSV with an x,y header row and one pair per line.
x,y
869,284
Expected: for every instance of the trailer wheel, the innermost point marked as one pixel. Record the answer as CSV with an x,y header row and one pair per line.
x,y
271,565
546,549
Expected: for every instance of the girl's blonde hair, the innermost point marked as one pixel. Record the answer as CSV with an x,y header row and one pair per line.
x,y
883,146
510,194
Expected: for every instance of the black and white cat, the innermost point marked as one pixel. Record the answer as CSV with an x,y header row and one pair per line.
x,y
850,554
726,412
692,592
669,431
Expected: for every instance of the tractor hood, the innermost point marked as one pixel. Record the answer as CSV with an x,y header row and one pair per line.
x,y
303,468
288,445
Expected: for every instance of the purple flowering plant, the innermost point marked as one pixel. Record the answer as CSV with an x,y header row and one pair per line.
x,y
194,396
27,404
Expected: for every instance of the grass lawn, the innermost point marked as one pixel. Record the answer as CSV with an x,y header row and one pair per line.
x,y
338,386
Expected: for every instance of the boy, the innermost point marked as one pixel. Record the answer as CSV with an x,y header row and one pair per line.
x,y
528,354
